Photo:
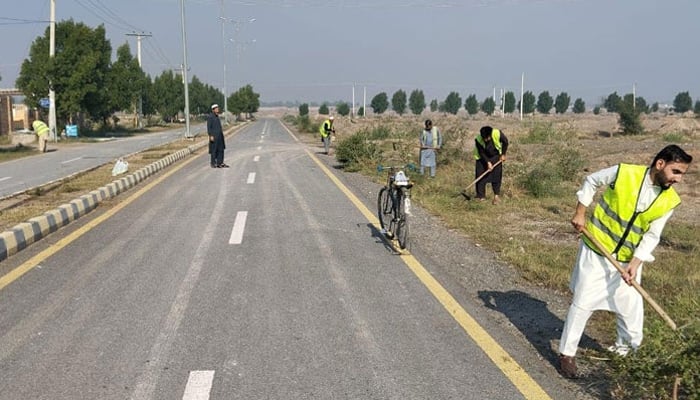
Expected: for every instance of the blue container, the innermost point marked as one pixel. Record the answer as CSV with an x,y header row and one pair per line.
x,y
72,130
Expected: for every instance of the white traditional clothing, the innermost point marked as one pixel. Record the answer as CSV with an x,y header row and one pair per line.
x,y
596,283
428,157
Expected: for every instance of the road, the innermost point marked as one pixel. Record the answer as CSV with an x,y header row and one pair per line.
x,y
29,172
263,280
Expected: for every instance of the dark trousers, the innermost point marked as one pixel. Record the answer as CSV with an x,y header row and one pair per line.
x,y
494,178
217,155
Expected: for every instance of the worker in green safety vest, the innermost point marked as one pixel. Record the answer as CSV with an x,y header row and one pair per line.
x,y
42,133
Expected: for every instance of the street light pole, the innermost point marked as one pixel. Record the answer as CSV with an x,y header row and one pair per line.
x,y
184,70
223,44
52,53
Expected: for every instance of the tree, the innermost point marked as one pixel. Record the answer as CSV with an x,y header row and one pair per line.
x,y
629,117
343,109
611,103
245,100
453,103
361,112
528,105
125,82
683,102
471,104
168,95
380,103
561,104
434,105
579,106
655,107
323,110
509,103
304,109
697,108
544,102
642,105
398,102
77,71
488,106
416,102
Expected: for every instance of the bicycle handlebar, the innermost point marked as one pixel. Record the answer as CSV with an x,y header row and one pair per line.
x,y
410,166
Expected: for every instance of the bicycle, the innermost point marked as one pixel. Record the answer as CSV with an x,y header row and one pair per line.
x,y
394,203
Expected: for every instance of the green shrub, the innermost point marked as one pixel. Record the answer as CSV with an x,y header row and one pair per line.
x,y
549,178
543,133
651,372
356,150
674,137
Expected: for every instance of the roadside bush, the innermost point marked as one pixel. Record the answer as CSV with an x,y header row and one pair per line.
x,y
356,150
550,177
543,133
303,123
666,357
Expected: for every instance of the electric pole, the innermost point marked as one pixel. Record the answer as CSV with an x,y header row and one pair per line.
x,y
139,106
184,70
52,53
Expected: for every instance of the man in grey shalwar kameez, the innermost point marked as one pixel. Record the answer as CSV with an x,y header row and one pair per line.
x,y
430,142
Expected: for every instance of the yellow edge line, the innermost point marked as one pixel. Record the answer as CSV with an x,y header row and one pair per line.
x,y
53,249
510,368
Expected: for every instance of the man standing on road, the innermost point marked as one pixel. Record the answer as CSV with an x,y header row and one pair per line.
x,y
216,138
490,146
326,130
628,221
42,133
430,142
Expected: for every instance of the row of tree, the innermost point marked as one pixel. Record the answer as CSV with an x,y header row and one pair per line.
x,y
89,86
544,103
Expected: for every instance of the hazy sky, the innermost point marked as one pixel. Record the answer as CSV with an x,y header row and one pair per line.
x,y
314,50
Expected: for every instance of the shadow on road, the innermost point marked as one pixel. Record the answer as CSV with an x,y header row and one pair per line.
x,y
532,317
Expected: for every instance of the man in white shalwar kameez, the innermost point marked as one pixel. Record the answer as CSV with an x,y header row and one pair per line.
x,y
430,142
628,220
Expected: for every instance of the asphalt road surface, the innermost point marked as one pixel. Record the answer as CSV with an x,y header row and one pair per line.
x,y
265,280
58,162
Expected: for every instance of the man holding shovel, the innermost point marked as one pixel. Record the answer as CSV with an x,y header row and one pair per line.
x,y
490,147
627,222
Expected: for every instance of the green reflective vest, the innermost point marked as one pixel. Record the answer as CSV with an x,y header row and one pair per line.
x,y
40,127
616,223
495,136
325,128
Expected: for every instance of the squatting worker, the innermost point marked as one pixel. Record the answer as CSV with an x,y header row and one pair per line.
x,y
628,221
326,129
217,144
490,146
430,142
42,133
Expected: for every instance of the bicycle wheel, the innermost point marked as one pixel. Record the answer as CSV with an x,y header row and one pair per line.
x,y
401,222
384,207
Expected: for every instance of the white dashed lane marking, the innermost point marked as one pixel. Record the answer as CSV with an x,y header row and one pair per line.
x,y
238,228
251,178
256,158
198,385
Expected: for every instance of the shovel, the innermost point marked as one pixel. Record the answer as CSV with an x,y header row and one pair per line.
x,y
478,178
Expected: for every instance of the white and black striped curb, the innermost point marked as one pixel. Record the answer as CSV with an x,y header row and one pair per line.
x,y
26,233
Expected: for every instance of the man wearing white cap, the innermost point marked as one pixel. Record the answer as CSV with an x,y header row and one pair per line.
x,y
216,138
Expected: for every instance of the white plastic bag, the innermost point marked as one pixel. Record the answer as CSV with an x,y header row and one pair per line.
x,y
120,167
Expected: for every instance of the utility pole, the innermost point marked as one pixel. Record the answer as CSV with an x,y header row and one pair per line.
x,y
353,100
522,86
223,44
52,53
634,96
184,70
139,111
364,101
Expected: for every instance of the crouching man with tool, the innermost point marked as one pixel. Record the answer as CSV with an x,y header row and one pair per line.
x,y
621,234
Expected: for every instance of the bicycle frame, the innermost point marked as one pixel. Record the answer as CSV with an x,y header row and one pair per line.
x,y
393,201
